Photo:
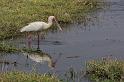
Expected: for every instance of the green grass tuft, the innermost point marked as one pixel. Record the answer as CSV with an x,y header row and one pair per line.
x,y
106,70
8,48
27,77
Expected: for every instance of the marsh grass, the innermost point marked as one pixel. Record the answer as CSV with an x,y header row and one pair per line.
x,y
8,48
27,77
14,14
106,70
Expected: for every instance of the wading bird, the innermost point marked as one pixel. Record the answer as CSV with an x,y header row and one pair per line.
x,y
38,27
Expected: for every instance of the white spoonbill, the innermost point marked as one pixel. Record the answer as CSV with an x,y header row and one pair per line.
x,y
38,27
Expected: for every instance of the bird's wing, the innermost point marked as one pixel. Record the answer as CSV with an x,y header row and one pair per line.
x,y
34,26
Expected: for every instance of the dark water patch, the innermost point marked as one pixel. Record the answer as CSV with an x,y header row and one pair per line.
x,y
48,42
73,57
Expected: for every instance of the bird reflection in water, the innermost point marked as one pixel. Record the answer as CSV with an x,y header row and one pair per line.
x,y
40,57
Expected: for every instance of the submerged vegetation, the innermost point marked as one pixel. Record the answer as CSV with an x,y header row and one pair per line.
x,y
106,70
14,14
27,77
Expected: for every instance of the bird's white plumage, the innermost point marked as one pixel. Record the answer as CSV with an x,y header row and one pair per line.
x,y
34,26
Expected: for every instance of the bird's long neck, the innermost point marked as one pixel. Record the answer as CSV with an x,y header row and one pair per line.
x,y
49,23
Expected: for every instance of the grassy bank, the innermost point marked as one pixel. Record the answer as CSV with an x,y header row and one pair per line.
x,y
106,70
14,14
26,77
8,48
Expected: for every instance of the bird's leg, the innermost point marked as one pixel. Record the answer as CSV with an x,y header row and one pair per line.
x,y
29,39
38,41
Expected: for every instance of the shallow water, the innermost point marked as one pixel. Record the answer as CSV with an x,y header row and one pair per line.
x,y
76,44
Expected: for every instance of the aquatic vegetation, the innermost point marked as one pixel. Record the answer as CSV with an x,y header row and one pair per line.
x,y
72,75
106,70
27,77
14,14
8,48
